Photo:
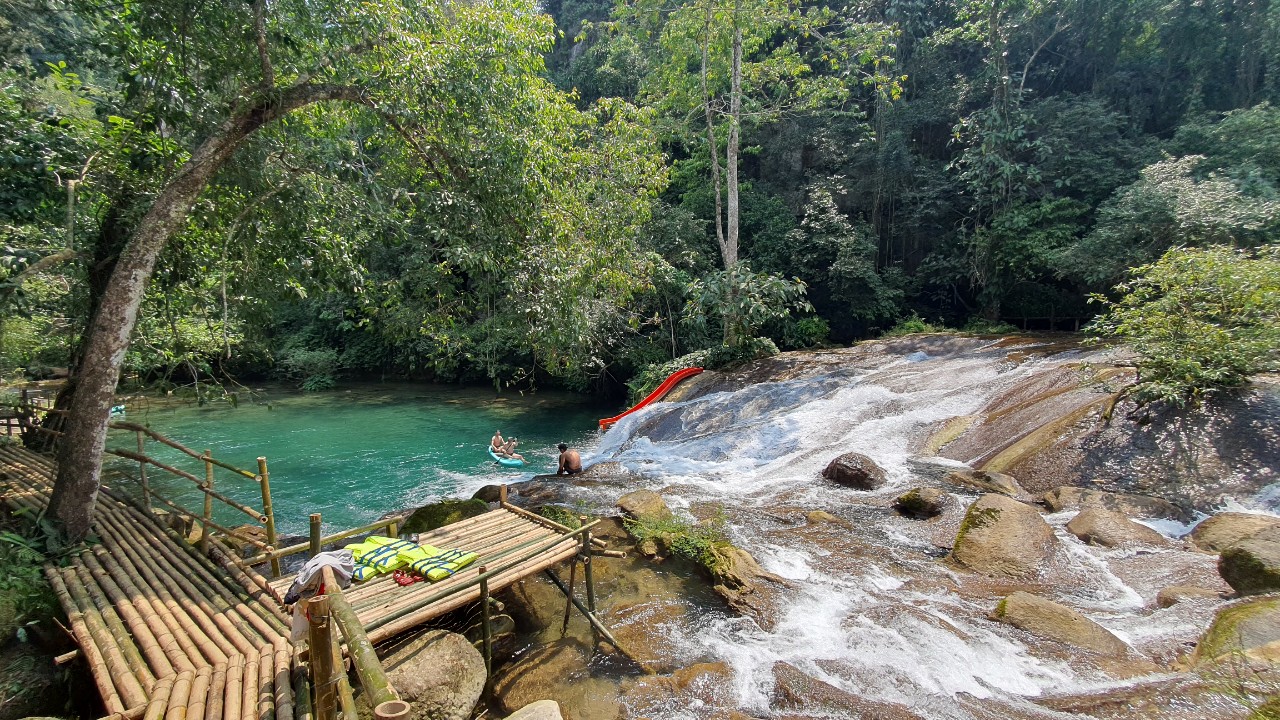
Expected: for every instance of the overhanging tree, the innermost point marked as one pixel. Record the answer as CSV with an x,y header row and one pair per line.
x,y
458,83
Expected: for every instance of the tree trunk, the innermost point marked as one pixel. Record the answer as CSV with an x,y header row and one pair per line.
x,y
712,144
731,154
75,492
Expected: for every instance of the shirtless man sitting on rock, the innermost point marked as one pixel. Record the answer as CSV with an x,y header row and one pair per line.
x,y
570,461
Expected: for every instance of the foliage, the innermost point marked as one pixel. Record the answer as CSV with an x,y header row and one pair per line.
x,y
742,300
1200,319
981,326
713,358
25,595
313,370
700,543
562,515
913,325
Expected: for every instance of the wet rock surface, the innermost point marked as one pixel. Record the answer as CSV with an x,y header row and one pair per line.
x,y
922,502
645,506
1074,498
1252,566
1226,529
796,690
855,470
439,673
1098,526
1058,622
1001,536
987,482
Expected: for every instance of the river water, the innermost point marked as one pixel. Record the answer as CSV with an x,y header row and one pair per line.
x,y
357,453
871,607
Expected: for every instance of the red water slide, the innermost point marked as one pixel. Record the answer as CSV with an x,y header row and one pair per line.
x,y
675,379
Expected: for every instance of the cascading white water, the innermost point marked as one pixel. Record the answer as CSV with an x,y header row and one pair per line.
x,y
871,608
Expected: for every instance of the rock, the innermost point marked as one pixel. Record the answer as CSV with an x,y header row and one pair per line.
x,y
488,494
1099,526
1048,619
1074,498
648,547
643,629
989,482
821,517
744,585
1170,596
1001,536
445,512
794,689
923,502
439,673
1242,627
1185,696
703,685
1226,529
540,710
539,674
1252,566
856,471
645,506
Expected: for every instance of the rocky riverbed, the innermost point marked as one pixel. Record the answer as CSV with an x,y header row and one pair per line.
x,y
931,527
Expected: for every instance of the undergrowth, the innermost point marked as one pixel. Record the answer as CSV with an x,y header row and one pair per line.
x,y
721,356
699,543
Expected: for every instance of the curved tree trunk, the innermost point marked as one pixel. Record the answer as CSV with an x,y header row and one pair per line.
x,y
75,492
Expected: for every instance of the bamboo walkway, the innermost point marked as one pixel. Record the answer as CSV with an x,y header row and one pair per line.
x,y
169,633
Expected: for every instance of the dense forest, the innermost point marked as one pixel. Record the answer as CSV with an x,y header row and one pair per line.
x,y
576,191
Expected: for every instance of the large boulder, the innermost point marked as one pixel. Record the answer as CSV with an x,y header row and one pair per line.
x,y
1226,529
541,673
1250,626
1003,537
1048,619
439,674
748,588
445,512
1174,594
922,502
1075,498
1099,526
645,506
856,471
987,482
1252,565
794,689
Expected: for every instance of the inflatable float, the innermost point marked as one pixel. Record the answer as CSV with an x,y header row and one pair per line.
x,y
505,461
672,380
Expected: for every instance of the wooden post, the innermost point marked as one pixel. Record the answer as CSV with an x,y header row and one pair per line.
x,y
265,480
373,678
393,530
315,534
568,601
208,502
142,474
502,493
324,674
485,627
586,567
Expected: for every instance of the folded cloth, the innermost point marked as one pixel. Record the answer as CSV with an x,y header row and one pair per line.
x,y
435,564
376,555
307,581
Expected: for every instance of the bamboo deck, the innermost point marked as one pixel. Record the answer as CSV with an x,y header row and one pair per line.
x,y
168,633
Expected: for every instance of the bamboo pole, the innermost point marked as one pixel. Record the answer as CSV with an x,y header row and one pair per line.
x,y
115,660
199,694
180,696
302,692
142,473
208,503
590,616
281,657
276,554
246,576
249,689
321,639
267,547
486,630
315,534
568,601
546,521
217,694
124,425
265,479
266,691
125,642
369,671
160,700
586,569
232,692
99,669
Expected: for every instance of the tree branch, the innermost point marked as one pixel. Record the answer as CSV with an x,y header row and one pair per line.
x,y
260,35
1059,26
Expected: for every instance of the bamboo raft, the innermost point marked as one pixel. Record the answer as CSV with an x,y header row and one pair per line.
x,y
169,633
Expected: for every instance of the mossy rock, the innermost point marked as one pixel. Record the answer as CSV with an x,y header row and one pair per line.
x,y
1240,628
1269,710
561,515
445,512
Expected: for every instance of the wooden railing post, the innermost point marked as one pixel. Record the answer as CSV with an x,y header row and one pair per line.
x,y
386,703
208,503
485,627
315,534
265,480
323,673
142,473
586,567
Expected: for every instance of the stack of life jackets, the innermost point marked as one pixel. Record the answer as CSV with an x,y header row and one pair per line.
x,y
377,555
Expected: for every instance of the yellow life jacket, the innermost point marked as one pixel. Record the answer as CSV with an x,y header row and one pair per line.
x,y
435,564
376,555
